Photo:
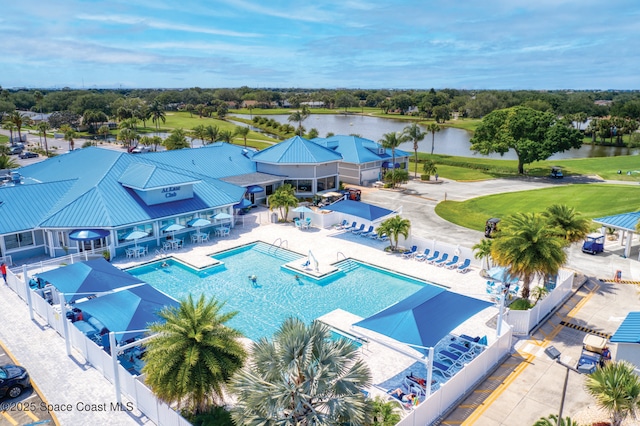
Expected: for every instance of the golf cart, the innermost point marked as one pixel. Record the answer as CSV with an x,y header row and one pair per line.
x,y
556,173
491,227
593,243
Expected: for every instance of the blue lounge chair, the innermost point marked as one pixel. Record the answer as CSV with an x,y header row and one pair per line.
x,y
442,260
461,349
423,256
410,253
464,266
444,370
349,228
452,263
358,230
436,254
343,224
367,232
449,357
383,237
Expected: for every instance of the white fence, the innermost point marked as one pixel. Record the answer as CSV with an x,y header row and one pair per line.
x,y
524,321
456,388
132,387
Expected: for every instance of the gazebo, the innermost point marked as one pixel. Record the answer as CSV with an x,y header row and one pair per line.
x,y
625,222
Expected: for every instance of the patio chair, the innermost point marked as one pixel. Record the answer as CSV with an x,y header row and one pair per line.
x,y
410,253
452,263
307,223
383,237
421,257
435,256
449,357
194,238
130,252
297,223
343,224
441,261
205,237
446,371
349,228
358,230
225,232
464,266
367,232
461,349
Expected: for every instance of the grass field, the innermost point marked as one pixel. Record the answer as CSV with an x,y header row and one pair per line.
x,y
593,200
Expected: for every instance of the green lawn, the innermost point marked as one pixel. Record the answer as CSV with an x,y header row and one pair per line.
x,y
454,172
593,200
4,139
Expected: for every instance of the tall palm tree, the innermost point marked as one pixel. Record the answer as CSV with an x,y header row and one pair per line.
x,y
282,199
299,116
43,127
482,251
212,133
392,141
176,140
127,136
157,113
429,168
194,354
616,388
8,125
242,131
199,132
572,227
528,247
18,120
69,134
104,131
433,128
225,136
301,377
414,133
394,227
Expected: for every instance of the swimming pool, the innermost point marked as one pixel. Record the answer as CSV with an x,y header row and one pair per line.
x,y
277,294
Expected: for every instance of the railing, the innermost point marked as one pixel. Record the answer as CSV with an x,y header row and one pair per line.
x,y
277,247
338,256
54,262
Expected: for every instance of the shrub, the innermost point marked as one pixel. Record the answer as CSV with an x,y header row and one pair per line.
x,y
520,305
425,177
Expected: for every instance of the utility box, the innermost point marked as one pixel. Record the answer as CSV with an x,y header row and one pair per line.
x,y
274,217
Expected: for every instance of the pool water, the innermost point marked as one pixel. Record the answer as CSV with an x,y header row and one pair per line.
x,y
277,293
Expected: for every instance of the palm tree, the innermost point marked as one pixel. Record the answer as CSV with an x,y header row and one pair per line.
x,y
433,128
225,136
482,250
616,388
301,377
242,131
18,120
384,412
127,136
528,247
8,125
414,133
429,168
283,198
572,227
299,117
194,354
69,134
157,113
199,132
176,140
6,162
104,131
212,133
553,420
43,127
394,227
392,141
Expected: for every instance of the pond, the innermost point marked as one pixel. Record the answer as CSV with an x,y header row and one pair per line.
x,y
449,141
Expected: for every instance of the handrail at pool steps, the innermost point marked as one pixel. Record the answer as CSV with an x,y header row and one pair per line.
x,y
273,244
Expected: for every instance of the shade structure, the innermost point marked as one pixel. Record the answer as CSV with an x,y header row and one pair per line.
x,y
254,189
199,222
501,273
425,317
359,209
88,234
303,209
243,204
390,165
88,278
222,216
172,227
135,235
128,310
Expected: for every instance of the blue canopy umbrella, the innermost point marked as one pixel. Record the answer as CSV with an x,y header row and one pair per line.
x,y
359,209
501,273
254,189
84,279
198,222
128,310
390,165
87,235
135,235
243,204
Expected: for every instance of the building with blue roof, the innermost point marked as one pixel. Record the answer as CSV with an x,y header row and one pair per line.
x,y
363,160
625,222
627,339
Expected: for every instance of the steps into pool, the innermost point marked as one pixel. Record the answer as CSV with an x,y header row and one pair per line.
x,y
347,265
279,252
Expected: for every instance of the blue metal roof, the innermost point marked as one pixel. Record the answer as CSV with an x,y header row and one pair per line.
x,y
147,176
629,330
626,221
357,208
358,150
296,150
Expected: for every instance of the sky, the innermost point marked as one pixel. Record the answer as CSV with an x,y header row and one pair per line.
x,y
368,44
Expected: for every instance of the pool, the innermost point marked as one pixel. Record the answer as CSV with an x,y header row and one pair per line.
x,y
278,293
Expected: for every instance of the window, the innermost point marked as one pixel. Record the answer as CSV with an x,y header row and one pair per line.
x,y
146,227
21,239
269,190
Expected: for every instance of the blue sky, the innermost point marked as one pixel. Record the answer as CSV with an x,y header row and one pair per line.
x,y
465,44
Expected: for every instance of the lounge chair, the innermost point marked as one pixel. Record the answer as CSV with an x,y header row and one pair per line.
x,y
367,232
452,263
343,224
464,266
407,405
436,255
358,230
444,370
420,257
410,253
417,382
441,261
461,349
445,355
383,237
349,228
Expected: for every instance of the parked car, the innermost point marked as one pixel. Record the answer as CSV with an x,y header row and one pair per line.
x,y
140,149
28,154
15,150
491,227
13,380
593,243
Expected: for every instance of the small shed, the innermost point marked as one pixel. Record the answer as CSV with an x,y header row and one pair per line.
x,y
627,339
625,223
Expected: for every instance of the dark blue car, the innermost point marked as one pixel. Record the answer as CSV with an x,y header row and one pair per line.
x,y
13,380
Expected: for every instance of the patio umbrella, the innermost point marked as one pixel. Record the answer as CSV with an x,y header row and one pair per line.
x,y
135,235
172,228
500,273
243,204
87,235
302,210
198,222
221,216
254,189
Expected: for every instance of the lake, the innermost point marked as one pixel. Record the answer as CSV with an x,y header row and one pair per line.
x,y
448,141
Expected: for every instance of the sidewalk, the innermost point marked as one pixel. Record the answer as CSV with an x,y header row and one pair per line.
x,y
77,393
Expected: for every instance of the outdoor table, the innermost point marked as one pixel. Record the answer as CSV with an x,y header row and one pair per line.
x,y
176,243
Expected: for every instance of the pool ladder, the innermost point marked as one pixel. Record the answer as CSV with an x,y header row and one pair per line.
x,y
279,245
338,256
